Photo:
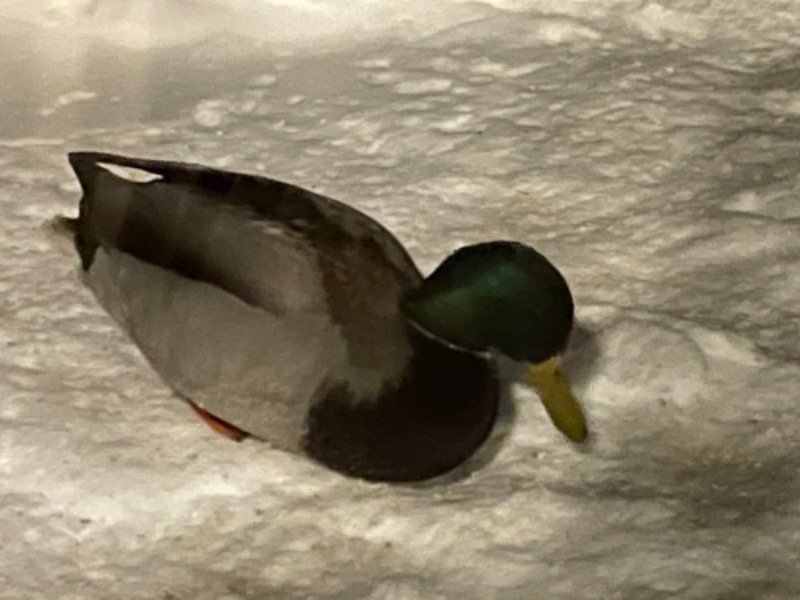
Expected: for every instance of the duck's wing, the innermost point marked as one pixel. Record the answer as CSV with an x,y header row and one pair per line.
x,y
241,286
189,219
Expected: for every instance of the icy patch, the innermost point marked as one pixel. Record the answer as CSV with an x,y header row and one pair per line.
x,y
723,345
68,99
457,123
518,31
782,102
782,292
210,114
423,86
25,142
644,362
381,78
214,113
659,22
264,80
374,63
445,64
776,203
487,66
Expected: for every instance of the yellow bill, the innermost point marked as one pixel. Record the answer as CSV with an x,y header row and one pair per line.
x,y
555,393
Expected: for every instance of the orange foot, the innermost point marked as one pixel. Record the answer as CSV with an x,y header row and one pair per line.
x,y
218,425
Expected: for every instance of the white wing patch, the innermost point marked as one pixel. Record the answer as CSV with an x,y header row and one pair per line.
x,y
129,173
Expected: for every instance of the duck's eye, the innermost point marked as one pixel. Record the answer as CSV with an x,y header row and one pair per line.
x,y
130,173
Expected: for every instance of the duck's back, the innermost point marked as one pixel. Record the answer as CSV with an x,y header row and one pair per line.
x,y
249,296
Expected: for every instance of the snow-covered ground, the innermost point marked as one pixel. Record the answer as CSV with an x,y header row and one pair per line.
x,y
650,149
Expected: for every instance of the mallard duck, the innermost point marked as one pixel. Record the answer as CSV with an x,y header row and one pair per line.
x,y
293,318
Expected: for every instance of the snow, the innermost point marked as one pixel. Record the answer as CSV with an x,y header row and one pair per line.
x,y
649,149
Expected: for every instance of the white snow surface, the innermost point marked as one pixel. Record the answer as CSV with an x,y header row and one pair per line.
x,y
649,149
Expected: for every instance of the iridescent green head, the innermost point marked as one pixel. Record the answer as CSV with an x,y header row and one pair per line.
x,y
497,295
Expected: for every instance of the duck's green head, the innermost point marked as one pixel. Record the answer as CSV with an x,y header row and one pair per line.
x,y
502,296
507,297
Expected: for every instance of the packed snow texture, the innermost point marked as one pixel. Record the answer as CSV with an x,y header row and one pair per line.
x,y
649,149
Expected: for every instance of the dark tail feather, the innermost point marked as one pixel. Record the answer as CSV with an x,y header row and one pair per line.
x,y
84,164
86,167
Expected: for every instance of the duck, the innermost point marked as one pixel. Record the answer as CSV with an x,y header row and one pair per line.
x,y
286,316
